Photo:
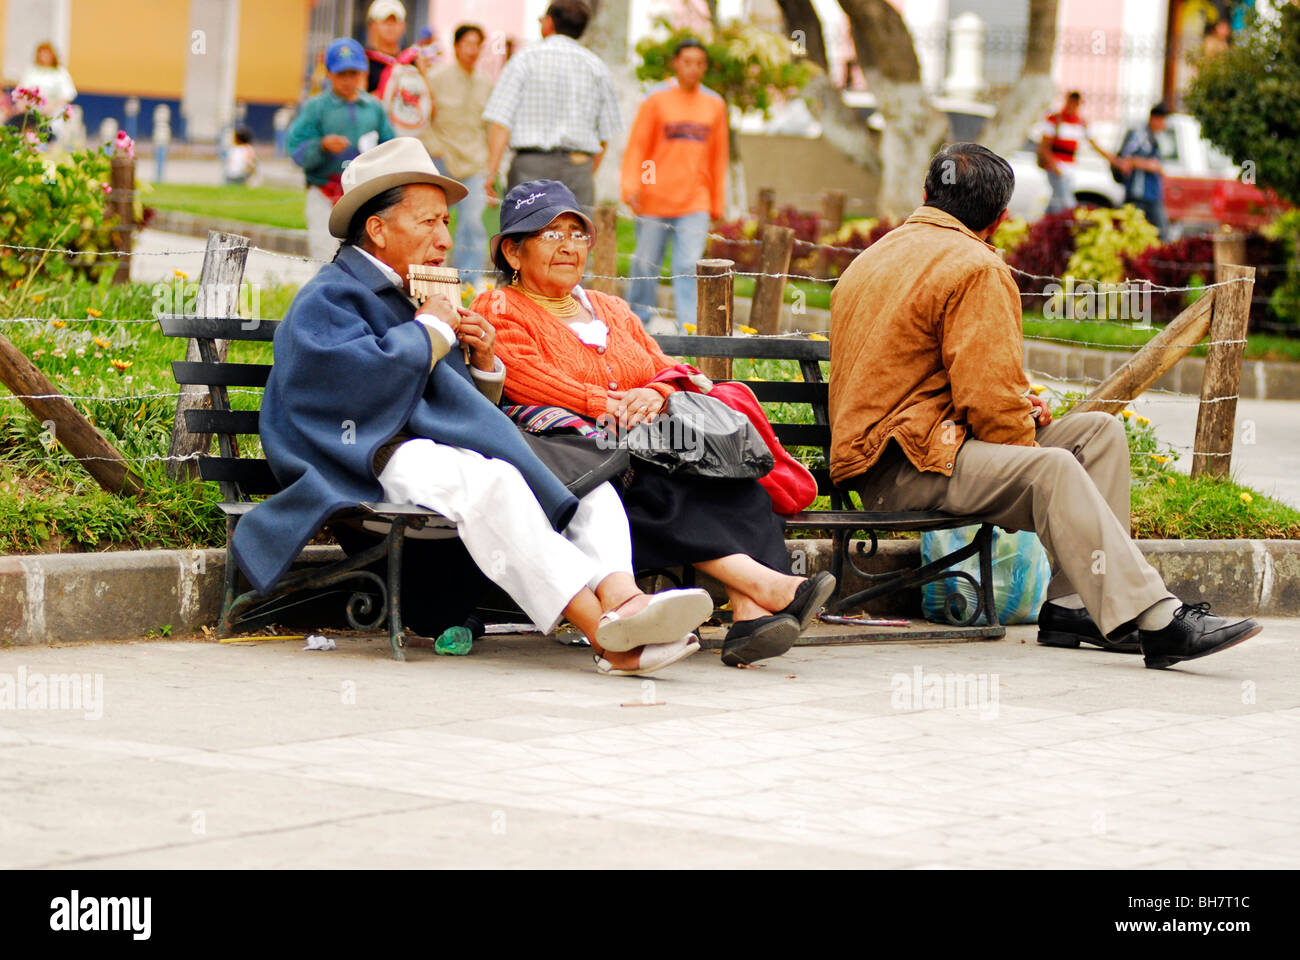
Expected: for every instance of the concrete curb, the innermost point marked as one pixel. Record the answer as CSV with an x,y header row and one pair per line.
x,y
83,597
275,239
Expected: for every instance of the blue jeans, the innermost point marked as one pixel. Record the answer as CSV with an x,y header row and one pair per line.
x,y
469,248
1062,190
690,234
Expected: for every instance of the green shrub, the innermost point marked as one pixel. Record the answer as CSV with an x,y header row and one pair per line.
x,y
51,199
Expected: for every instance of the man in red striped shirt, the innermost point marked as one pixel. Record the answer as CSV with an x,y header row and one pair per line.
x,y
1061,135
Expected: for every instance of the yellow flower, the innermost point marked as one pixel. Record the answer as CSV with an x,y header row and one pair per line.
x,y
688,327
816,336
1160,459
1246,498
1171,481
1036,388
101,342
94,313
744,329
182,274
59,323
120,365
1126,414
38,298
1144,421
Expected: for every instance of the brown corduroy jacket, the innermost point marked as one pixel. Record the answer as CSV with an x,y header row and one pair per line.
x,y
925,348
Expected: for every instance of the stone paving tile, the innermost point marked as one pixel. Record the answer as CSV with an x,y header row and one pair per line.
x,y
521,756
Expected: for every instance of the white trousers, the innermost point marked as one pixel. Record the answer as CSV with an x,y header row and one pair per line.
x,y
504,529
320,243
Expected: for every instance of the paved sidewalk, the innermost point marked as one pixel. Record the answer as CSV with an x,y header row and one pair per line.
x,y
520,755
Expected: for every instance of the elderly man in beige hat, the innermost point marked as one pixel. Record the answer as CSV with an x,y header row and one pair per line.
x,y
375,397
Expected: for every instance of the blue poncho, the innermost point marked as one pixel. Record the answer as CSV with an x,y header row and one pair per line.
x,y
351,371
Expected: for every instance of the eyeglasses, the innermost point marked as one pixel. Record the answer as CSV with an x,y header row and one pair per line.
x,y
559,236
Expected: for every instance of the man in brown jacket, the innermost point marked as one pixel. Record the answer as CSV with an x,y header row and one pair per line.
x,y
930,410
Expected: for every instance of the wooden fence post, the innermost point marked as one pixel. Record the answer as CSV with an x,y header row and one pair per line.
x,y
715,292
1216,418
766,203
64,423
832,210
218,296
122,202
1152,362
604,255
769,289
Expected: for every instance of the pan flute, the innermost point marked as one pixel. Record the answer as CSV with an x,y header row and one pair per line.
x,y
441,282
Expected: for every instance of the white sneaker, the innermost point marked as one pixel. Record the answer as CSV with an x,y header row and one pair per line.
x,y
654,658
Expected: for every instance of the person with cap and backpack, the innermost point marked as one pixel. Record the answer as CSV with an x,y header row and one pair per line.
x,y
332,129
398,78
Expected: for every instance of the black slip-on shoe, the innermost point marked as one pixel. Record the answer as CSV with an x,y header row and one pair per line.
x,y
1062,627
750,640
1192,634
809,599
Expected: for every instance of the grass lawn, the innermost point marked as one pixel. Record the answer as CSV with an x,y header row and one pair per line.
x,y
273,206
1259,346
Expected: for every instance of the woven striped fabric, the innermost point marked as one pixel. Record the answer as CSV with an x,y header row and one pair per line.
x,y
541,419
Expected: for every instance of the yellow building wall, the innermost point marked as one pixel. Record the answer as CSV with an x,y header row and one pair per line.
x,y
129,46
272,49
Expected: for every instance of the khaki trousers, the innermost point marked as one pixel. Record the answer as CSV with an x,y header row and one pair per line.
x,y
1072,490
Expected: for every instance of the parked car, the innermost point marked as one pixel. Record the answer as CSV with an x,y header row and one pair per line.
x,y
1203,188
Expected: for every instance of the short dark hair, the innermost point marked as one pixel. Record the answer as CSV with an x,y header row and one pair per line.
x,y
505,272
376,206
1159,110
1074,95
243,135
569,16
465,28
970,182
687,44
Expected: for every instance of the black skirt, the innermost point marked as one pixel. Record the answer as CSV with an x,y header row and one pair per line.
x,y
677,520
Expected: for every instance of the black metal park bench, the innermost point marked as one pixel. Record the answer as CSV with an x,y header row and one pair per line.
x,y
845,520
243,477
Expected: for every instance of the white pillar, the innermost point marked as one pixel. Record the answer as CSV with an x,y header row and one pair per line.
x,y
966,70
209,99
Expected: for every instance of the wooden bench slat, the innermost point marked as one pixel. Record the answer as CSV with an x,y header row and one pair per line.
x,y
254,476
876,520
802,434
217,328
745,348
222,421
221,374
793,391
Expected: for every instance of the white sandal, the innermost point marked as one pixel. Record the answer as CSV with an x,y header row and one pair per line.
x,y
653,658
663,620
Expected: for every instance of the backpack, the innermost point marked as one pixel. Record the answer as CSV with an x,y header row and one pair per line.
x,y
404,94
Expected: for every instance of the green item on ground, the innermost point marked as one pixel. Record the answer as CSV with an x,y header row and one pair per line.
x,y
454,642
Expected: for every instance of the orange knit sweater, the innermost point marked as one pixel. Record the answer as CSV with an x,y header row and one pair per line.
x,y
547,364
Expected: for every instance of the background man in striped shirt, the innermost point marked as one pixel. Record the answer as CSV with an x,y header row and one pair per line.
x,y
1062,133
555,107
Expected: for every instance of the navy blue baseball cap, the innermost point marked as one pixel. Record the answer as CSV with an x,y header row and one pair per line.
x,y
533,204
345,54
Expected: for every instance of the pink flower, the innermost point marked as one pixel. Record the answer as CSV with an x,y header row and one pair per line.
x,y
125,144
31,97
67,112
31,137
107,189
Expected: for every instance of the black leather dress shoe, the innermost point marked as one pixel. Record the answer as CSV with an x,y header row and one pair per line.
x,y
1191,634
758,639
1062,627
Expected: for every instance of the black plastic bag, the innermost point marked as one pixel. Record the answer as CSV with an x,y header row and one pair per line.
x,y
703,437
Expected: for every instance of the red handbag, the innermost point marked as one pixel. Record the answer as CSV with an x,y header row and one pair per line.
x,y
789,484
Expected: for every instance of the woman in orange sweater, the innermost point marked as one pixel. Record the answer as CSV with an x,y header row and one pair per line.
x,y
587,352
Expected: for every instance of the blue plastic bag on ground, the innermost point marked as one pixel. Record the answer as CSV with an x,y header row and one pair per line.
x,y
1020,575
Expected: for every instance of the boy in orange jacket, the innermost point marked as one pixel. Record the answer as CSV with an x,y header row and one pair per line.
x,y
674,178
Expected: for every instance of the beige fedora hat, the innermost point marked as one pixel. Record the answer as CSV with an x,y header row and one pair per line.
x,y
395,163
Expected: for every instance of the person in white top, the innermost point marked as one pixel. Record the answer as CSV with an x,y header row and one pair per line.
x,y
53,83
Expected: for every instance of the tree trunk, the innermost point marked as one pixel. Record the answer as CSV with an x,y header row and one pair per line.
x,y
914,129
607,37
804,27
1029,97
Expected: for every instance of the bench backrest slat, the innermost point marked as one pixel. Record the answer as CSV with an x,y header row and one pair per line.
x,y
222,421
253,475
221,374
217,328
